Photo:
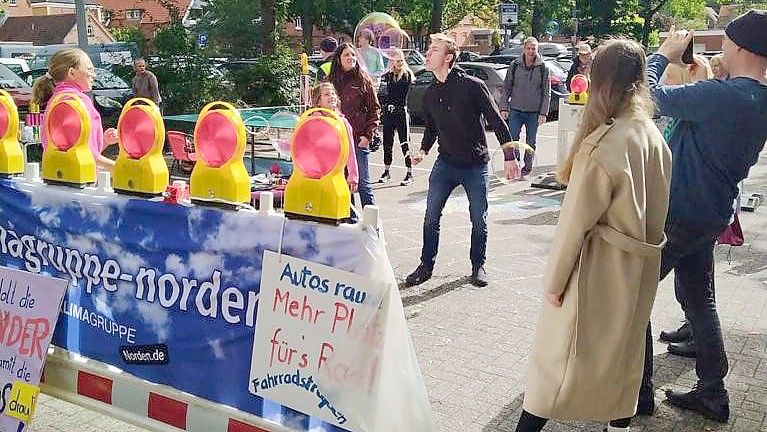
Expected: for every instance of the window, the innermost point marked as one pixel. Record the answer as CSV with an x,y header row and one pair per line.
x,y
12,2
425,78
90,30
133,13
297,23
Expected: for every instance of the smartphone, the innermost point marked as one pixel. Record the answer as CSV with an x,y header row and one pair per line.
x,y
687,56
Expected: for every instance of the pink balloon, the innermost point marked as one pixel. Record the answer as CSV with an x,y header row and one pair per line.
x,y
216,139
137,133
65,126
316,147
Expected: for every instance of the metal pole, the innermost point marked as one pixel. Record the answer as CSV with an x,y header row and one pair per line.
x,y
82,26
575,32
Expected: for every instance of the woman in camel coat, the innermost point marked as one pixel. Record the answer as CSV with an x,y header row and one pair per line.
x,y
602,273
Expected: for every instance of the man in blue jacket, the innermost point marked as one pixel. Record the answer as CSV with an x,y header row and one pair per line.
x,y
721,131
454,106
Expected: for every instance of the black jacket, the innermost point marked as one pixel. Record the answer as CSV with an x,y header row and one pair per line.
x,y
453,112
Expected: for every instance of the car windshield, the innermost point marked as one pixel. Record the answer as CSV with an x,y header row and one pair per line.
x,y
108,80
9,80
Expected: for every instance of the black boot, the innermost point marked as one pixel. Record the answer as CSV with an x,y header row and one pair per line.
x,y
715,406
683,349
419,276
681,334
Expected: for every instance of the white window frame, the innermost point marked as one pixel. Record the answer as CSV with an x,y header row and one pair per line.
x,y
133,14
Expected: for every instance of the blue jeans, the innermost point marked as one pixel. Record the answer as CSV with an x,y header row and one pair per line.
x,y
530,120
443,179
365,189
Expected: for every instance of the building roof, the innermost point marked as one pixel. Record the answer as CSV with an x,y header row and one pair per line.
x,y
154,12
66,2
40,30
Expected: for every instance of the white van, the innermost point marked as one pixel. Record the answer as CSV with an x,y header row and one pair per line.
x,y
17,65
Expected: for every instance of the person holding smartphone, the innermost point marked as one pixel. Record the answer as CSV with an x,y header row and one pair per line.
x,y
721,131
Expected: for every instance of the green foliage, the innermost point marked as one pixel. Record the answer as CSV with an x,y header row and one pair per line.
x,y
132,34
233,26
186,77
272,81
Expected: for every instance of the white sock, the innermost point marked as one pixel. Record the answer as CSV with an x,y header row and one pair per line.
x,y
617,429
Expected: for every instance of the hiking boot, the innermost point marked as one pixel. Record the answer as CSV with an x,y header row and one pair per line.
x,y
407,180
385,177
419,276
479,277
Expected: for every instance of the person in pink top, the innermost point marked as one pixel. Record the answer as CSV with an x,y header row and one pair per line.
x,y
324,96
71,71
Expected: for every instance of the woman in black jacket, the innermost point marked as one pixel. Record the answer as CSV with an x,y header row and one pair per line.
x,y
395,116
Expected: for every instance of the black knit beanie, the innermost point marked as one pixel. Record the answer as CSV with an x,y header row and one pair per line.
x,y
749,31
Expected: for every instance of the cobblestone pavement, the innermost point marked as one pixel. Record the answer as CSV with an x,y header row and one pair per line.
x,y
472,343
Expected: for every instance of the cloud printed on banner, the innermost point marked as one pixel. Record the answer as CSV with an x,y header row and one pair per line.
x,y
218,350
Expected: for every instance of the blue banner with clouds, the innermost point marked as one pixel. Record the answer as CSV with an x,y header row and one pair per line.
x,y
167,293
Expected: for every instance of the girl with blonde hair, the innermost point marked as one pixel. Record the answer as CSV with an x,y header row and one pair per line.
x,y
718,67
324,96
678,74
603,268
71,71
395,117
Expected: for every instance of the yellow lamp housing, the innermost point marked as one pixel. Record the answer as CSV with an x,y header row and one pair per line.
x,y
579,86
140,168
67,159
11,156
317,189
219,139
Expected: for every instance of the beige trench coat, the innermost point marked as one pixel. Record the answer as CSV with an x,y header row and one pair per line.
x,y
588,354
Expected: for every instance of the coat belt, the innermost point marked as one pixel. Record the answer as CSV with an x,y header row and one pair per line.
x,y
616,239
628,244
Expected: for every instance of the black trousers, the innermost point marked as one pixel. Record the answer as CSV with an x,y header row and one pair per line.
x,y
396,121
690,253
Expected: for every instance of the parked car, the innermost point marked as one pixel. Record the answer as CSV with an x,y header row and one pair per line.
x,y
547,49
468,56
109,94
17,88
17,65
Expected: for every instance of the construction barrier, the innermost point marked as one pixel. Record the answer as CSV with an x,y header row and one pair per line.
x,y
159,324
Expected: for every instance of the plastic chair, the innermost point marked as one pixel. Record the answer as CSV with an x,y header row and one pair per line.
x,y
182,147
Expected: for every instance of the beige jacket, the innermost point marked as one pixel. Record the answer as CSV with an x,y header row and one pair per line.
x,y
588,354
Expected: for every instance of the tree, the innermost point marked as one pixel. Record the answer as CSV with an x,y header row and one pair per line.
x,y
435,23
132,34
233,26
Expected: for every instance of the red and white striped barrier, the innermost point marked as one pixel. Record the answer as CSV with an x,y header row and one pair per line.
x,y
160,408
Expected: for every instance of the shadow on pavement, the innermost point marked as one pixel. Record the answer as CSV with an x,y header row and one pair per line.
x,y
436,292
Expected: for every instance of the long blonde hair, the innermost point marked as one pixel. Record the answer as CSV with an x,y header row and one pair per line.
x,y
58,69
396,54
686,74
618,88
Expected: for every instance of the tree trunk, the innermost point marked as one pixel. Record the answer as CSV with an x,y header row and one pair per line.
x,y
648,17
535,22
269,25
307,24
435,25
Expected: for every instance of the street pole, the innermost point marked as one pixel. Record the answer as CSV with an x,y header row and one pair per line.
x,y
82,26
575,32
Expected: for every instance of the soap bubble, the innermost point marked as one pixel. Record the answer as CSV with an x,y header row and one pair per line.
x,y
383,34
280,125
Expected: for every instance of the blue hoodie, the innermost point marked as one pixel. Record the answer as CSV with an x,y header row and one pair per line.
x,y
722,128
